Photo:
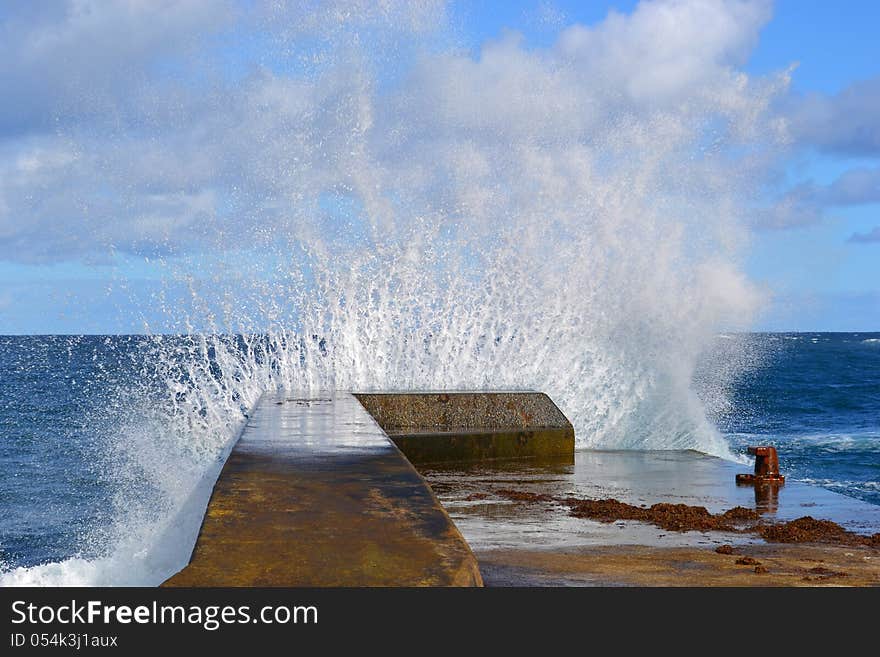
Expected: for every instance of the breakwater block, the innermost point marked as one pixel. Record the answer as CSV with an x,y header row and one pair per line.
x,y
315,494
469,426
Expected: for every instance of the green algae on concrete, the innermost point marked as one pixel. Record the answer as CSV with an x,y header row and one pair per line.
x,y
315,494
472,426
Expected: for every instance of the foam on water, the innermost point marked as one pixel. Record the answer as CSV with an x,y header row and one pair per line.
x,y
540,218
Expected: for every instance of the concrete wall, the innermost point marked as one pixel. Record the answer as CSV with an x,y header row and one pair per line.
x,y
460,426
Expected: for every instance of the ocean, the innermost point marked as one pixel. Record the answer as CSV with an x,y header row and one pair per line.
x,y
103,439
817,399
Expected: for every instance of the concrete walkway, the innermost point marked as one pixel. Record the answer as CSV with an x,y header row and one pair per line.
x,y
315,494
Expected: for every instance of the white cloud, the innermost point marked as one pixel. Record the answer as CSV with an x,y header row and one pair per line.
x,y
847,123
808,203
854,187
664,50
78,60
599,120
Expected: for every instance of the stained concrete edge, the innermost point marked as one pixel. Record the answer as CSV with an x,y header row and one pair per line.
x,y
431,427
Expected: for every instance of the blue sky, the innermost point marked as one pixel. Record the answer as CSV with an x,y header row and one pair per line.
x,y
77,95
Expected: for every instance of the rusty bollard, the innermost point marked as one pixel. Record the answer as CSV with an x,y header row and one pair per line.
x,y
766,468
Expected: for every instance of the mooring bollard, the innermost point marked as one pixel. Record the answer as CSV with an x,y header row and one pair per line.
x,y
766,467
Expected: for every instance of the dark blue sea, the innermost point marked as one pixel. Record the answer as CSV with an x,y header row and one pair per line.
x,y
816,396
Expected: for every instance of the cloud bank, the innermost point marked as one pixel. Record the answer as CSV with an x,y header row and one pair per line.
x,y
847,123
807,203
156,127
842,126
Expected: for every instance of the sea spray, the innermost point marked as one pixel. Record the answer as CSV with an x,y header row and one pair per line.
x,y
341,214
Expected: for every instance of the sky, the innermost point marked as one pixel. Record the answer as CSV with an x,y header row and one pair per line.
x,y
110,161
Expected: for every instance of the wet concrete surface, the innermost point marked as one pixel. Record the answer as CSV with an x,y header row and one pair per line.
x,y
520,543
636,477
315,494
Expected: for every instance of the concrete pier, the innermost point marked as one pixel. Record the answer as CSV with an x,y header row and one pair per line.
x,y
320,491
431,427
315,494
